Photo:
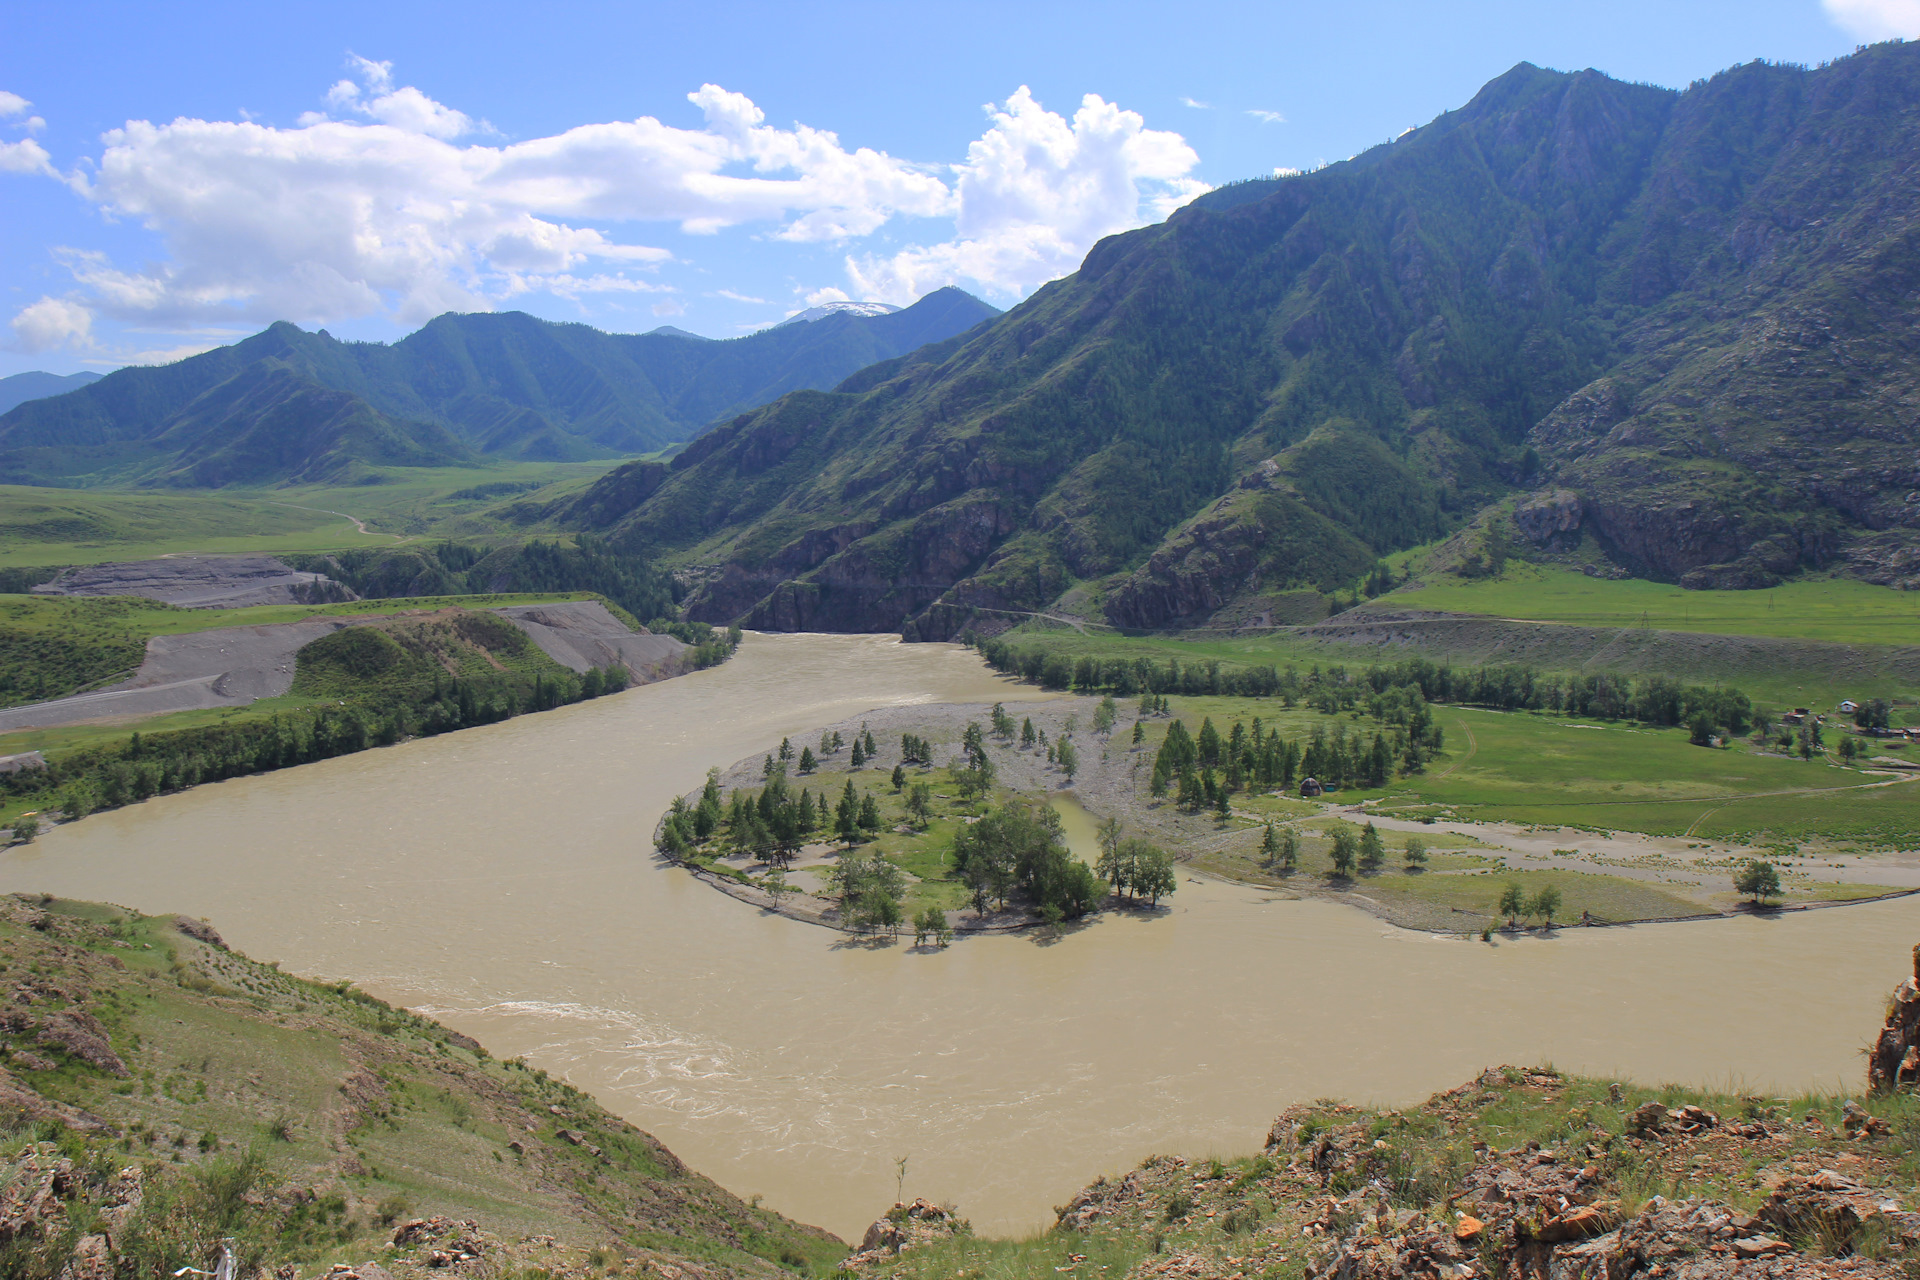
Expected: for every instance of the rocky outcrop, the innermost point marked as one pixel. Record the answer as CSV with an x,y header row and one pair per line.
x,y
1550,520
1894,1060
904,1227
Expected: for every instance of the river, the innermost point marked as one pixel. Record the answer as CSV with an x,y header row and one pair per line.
x,y
501,878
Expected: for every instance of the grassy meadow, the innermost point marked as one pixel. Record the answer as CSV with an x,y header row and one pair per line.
x,y
40,526
1834,610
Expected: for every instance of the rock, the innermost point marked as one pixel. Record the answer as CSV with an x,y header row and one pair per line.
x,y
92,1259
199,931
1577,1223
1468,1228
1550,520
905,1226
77,1032
1858,1122
30,1199
1760,1247
31,1061
1646,1119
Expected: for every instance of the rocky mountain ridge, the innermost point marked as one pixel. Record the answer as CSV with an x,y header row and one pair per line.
x,y
1688,313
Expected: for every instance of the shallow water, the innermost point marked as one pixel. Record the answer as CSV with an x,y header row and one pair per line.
x,y
501,877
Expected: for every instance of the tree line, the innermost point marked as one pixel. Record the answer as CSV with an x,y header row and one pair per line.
x,y
106,777
1385,690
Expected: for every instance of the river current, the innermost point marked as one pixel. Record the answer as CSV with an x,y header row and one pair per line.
x,y
502,879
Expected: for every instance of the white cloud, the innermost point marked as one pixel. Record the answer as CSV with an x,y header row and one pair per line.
x,y
1196,104
1876,19
819,296
1267,117
1284,172
669,307
1034,195
50,323
384,214
738,297
26,156
12,104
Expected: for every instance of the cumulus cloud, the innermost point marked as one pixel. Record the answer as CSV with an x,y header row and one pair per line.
x,y
1035,193
50,323
380,211
1876,19
390,203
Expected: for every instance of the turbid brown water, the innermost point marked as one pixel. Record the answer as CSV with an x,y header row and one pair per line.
x,y
501,877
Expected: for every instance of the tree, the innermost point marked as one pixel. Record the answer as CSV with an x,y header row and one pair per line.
x,y
859,758
1104,715
1222,808
1873,714
786,750
846,815
1269,846
25,828
920,804
1700,730
807,762
1027,735
1289,850
899,776
1512,904
777,886
1849,748
1346,847
1153,874
1068,758
973,744
1416,851
1139,732
1757,880
1546,903
1192,794
1002,723
869,816
1372,851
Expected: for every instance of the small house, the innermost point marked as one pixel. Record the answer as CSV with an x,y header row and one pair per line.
x,y
1849,706
1310,787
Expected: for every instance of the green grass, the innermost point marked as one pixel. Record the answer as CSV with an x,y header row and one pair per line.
x,y
42,526
1837,610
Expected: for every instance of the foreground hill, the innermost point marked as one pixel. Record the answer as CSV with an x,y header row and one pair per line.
x,y
290,406
172,1093
1678,320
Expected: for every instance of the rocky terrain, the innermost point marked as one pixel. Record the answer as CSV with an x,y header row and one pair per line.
x,y
1522,1172
199,582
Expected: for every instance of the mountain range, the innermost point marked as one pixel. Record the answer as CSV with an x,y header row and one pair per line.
x,y
286,405
35,385
1657,332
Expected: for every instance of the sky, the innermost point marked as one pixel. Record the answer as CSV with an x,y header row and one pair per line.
x,y
175,177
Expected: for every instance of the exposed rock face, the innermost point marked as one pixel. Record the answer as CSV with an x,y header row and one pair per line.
x,y
1894,1060
904,1227
1550,520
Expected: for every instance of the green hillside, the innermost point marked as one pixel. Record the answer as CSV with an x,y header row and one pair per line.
x,y
288,406
305,1120
1555,293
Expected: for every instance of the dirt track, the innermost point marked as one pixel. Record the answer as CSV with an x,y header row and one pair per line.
x,y
192,582
234,666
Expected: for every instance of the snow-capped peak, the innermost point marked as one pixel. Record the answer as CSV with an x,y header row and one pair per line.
x,y
826,309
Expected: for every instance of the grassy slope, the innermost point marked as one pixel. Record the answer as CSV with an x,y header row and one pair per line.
x,y
364,1102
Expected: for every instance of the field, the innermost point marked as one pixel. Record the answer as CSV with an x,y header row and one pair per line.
x,y
87,526
1836,610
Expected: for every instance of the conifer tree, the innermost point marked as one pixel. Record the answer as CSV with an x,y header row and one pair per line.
x,y
899,776
807,763
859,758
1027,736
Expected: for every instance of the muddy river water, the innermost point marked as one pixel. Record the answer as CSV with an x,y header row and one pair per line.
x,y
501,878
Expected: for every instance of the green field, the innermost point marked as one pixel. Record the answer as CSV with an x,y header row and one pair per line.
x,y
1836,610
88,526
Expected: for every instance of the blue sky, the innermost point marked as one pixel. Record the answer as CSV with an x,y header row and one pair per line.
x,y
174,177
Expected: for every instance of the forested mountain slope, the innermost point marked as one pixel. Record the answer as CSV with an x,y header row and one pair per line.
x,y
1679,322
287,405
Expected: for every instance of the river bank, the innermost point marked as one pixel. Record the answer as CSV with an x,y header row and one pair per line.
x,y
500,880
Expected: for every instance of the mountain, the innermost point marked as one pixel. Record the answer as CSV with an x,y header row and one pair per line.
x,y
21,387
286,404
1674,329
826,309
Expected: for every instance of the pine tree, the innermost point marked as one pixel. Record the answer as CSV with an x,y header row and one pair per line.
x,y
869,818
1027,737
859,757
786,750
899,776
1221,808
1372,851
1139,732
807,763
1269,846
